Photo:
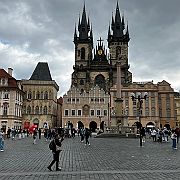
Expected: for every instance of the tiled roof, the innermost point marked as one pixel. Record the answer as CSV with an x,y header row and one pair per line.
x,y
41,72
12,82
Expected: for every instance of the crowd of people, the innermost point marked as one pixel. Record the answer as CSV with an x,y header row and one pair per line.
x,y
161,135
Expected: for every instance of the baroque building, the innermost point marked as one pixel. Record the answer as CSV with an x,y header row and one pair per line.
x,y
90,101
11,100
40,106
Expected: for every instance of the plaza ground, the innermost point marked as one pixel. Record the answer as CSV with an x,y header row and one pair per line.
x,y
104,159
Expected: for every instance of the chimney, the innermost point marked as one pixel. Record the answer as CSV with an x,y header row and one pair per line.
x,y
10,70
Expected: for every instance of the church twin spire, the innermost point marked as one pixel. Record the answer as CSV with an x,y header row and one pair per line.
x,y
84,29
118,26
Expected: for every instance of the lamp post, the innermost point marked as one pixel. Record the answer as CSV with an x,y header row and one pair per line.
x,y
139,96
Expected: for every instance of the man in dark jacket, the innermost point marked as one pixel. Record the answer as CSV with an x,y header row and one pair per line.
x,y
56,151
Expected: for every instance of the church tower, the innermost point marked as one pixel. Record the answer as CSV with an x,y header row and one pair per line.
x,y
118,39
83,41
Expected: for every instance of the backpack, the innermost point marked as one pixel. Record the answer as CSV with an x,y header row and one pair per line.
x,y
52,145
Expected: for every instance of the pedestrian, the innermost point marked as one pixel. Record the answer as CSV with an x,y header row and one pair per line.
x,y
166,134
39,131
34,136
8,133
82,134
1,140
174,140
56,149
143,134
73,132
87,135
154,134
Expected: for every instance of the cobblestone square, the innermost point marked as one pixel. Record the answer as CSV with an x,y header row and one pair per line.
x,y
104,159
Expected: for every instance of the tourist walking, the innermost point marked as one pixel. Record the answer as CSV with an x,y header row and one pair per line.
x,y
87,135
154,134
56,149
1,140
81,134
174,140
8,133
35,136
39,131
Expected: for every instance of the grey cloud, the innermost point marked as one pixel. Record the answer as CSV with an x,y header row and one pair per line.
x,y
153,26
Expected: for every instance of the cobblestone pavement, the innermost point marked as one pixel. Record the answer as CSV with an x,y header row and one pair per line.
x,y
104,159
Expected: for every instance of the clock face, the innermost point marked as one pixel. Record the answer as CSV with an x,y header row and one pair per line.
x,y
100,52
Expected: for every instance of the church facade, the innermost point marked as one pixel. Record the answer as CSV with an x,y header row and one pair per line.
x,y
90,101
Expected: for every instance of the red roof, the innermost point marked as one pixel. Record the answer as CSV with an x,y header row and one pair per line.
x,y
12,82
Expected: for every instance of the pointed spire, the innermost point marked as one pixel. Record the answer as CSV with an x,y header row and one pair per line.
x,y
88,24
75,33
117,15
123,24
127,31
109,32
83,26
112,23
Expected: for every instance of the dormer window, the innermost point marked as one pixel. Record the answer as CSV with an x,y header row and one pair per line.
x,y
3,81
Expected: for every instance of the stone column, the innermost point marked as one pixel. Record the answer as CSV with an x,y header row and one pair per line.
x,y
119,101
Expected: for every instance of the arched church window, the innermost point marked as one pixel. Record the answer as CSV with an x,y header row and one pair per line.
x,y
83,53
100,81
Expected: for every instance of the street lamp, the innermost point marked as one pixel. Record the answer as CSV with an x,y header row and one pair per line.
x,y
139,96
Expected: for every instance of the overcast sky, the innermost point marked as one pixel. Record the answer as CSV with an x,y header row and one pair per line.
x,y
33,31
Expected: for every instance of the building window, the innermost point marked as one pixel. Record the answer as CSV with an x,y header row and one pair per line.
x,y
6,95
41,95
66,112
45,110
38,95
92,112
40,111
3,81
37,110
92,99
83,53
79,112
153,102
46,95
168,113
77,100
5,110
29,95
28,110
105,112
98,112
147,112
73,112
153,112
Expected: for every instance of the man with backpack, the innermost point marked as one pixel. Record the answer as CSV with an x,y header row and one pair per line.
x,y
55,147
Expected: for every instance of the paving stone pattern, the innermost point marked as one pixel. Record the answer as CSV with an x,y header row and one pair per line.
x,y
105,159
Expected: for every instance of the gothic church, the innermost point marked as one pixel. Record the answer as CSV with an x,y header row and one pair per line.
x,y
90,99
